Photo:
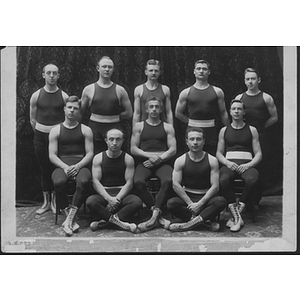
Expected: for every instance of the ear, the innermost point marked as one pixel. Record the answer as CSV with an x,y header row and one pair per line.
x,y
259,80
97,68
43,75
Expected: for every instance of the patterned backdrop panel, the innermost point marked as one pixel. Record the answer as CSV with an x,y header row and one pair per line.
x,y
78,68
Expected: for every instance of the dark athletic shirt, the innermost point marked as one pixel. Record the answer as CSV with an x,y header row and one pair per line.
x,y
105,101
256,112
196,175
50,107
202,104
153,138
113,170
71,141
158,92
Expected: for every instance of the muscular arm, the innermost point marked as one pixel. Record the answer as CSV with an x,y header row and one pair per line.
x,y
129,173
125,103
171,142
181,106
53,149
221,105
177,179
33,109
272,110
137,105
86,99
169,113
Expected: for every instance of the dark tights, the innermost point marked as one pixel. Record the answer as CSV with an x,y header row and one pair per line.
x,y
250,178
142,174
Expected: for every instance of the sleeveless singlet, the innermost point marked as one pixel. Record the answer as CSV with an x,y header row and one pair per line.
x,y
71,141
256,113
196,175
158,92
238,140
105,101
113,170
50,107
153,138
202,104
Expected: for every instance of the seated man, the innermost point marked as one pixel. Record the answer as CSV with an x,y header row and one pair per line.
x,y
196,183
239,152
113,172
71,151
153,143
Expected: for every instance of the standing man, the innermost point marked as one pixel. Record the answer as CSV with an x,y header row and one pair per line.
x,y
196,183
71,152
153,143
113,172
260,112
152,88
46,111
109,104
239,153
204,102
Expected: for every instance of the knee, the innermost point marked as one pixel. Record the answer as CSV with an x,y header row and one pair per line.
x,y
59,184
166,183
171,204
224,181
221,202
91,201
139,184
82,184
251,181
136,202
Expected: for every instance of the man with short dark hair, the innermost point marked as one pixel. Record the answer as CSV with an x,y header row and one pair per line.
x,y
152,88
108,102
153,144
196,183
46,111
239,153
204,102
71,151
113,172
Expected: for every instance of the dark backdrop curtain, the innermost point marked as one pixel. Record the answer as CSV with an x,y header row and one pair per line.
x,y
77,68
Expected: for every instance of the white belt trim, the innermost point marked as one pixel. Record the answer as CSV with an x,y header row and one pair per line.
x,y
195,191
105,118
44,128
238,155
201,123
113,187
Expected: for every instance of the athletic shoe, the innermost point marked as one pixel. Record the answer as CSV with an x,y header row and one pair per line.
x,y
124,225
151,223
188,225
164,223
46,207
75,226
96,225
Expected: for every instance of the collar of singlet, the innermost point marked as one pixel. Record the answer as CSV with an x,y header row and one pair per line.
x,y
43,128
105,118
201,123
113,187
195,191
238,155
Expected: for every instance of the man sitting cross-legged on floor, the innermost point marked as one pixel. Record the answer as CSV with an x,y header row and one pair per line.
x,y
196,183
71,151
113,172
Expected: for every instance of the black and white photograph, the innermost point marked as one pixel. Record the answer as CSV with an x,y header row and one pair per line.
x,y
148,149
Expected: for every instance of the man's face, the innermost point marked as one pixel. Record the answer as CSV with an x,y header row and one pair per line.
x,y
51,75
201,71
152,72
237,111
195,141
153,109
251,80
105,68
114,140
72,110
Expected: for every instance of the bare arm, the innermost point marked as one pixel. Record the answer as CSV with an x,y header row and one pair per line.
x,y
65,96
222,107
53,149
33,109
129,173
169,113
137,105
181,106
272,110
86,99
125,103
177,179
171,142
